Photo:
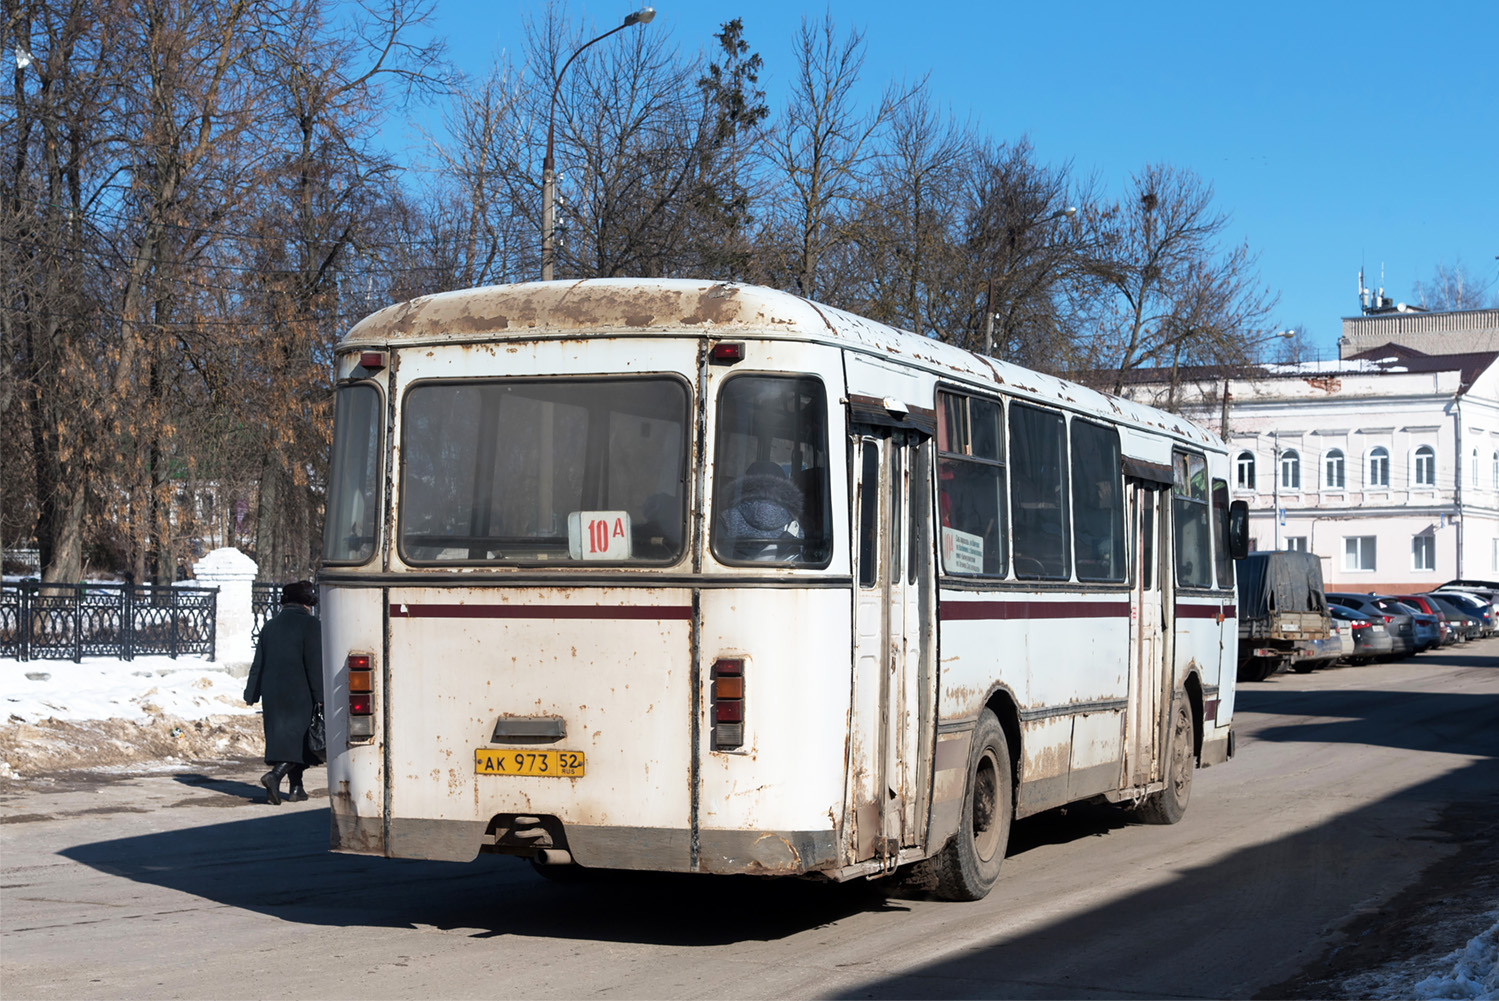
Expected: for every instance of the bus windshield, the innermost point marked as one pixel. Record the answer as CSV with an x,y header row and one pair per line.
x,y
545,470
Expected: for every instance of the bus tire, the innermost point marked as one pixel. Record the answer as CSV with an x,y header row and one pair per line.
x,y
968,865
1170,804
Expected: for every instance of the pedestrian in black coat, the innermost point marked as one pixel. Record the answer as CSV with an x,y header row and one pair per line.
x,y
288,673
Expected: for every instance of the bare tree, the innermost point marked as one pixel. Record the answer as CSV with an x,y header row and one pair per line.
x,y
57,116
1455,287
904,221
821,149
1166,292
1023,239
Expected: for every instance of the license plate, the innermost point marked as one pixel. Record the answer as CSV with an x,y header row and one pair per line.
x,y
547,764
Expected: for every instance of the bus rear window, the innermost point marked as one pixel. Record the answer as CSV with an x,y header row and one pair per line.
x,y
770,472
354,486
544,471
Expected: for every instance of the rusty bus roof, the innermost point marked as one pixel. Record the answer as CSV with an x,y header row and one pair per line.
x,y
623,307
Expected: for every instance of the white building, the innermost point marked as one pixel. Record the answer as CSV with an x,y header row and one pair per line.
x,y
1384,464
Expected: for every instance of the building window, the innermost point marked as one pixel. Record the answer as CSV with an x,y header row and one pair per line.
x,y
1336,477
1245,470
1358,552
1296,543
1496,470
1426,466
1424,552
1379,466
1290,470
1473,477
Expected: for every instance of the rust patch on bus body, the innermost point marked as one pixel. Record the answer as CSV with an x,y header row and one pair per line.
x,y
578,306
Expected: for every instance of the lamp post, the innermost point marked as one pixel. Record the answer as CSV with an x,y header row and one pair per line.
x,y
1068,212
549,165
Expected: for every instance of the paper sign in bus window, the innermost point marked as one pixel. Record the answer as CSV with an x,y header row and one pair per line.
x,y
598,535
962,552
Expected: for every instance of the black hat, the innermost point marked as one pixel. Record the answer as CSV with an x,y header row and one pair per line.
x,y
299,592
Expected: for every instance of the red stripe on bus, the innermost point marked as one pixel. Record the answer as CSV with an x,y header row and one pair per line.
x,y
408,610
1205,611
962,610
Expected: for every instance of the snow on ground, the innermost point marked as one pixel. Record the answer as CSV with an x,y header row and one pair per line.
x,y
56,715
105,688
1475,970
1469,974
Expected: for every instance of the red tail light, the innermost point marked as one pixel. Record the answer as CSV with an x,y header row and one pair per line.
x,y
728,704
1361,625
727,353
359,668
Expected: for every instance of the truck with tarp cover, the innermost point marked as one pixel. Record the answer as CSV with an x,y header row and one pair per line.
x,y
1283,616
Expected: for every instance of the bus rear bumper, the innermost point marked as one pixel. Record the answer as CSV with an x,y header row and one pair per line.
x,y
664,849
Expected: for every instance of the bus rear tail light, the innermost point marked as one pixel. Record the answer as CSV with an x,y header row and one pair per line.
x,y
727,352
361,675
728,704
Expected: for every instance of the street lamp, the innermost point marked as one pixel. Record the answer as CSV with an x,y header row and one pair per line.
x,y
549,165
1066,213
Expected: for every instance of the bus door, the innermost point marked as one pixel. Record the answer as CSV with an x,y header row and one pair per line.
x,y
1148,654
894,668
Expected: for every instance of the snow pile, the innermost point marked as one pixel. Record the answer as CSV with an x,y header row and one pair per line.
x,y
1475,974
106,688
56,715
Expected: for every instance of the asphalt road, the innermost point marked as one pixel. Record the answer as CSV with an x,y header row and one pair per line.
x,y
1357,825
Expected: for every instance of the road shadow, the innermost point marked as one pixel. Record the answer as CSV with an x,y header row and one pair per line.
x,y
1454,723
252,792
1191,934
278,865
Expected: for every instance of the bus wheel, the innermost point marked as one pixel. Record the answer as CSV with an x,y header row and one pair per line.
x,y
969,864
1170,805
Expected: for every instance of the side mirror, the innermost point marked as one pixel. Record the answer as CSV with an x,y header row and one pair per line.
x,y
1238,529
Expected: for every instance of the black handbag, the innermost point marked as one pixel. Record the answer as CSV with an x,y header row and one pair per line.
x,y
317,735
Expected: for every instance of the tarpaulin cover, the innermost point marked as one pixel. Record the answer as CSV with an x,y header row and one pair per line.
x,y
1273,582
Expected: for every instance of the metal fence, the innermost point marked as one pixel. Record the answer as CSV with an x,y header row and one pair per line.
x,y
72,621
265,602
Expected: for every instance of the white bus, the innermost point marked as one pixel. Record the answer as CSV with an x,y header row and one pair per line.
x,y
685,576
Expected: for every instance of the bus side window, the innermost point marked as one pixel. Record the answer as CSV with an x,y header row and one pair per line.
x,y
771,493
1038,455
869,515
971,485
1097,502
1220,534
1189,511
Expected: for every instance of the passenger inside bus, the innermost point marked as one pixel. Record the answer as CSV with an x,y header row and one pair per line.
x,y
765,509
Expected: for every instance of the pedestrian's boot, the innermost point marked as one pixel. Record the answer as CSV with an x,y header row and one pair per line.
x,y
294,791
272,782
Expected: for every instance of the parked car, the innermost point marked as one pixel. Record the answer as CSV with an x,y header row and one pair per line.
x,y
1401,625
1371,638
1427,633
1447,632
1475,606
1283,618
1459,618
1488,590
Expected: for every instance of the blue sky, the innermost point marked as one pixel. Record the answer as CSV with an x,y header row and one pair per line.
x,y
1335,134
